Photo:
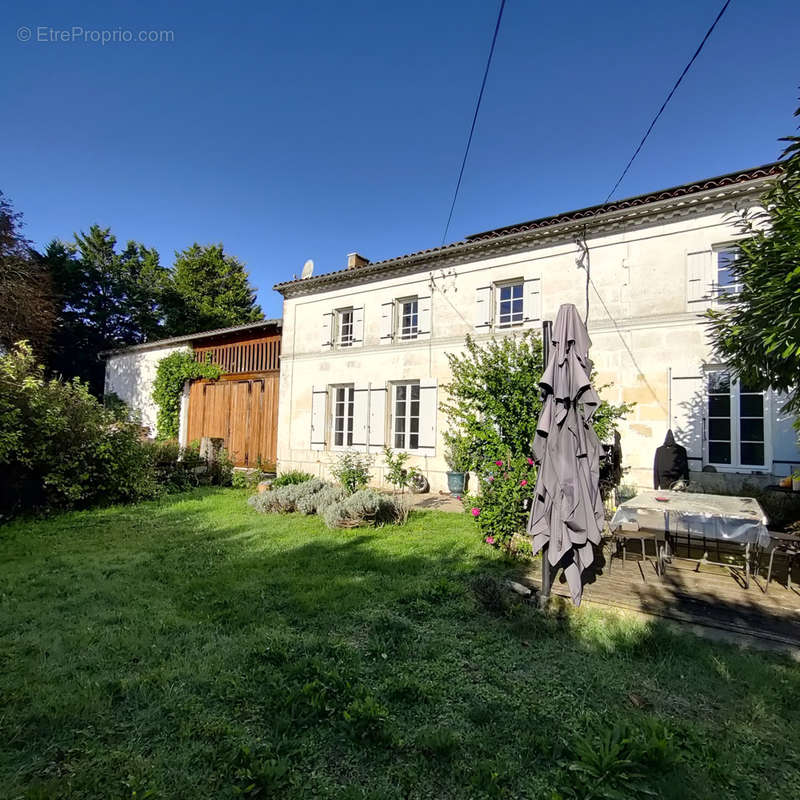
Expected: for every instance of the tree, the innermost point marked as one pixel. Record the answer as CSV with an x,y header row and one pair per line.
x,y
210,289
27,310
494,399
757,331
106,300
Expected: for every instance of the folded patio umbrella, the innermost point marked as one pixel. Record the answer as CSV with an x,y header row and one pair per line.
x,y
567,510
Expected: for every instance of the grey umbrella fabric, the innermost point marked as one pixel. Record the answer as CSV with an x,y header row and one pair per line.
x,y
567,511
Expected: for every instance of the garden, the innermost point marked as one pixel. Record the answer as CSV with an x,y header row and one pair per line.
x,y
189,646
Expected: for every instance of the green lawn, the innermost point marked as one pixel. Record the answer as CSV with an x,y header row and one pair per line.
x,y
192,648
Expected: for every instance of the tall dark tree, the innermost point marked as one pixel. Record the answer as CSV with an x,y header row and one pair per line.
x,y
757,331
210,289
106,300
27,310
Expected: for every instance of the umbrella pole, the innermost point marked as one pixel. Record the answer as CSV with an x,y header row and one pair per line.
x,y
547,580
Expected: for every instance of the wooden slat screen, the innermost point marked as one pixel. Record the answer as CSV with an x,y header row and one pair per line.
x,y
254,356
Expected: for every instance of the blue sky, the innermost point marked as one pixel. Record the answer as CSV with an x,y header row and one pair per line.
x,y
311,129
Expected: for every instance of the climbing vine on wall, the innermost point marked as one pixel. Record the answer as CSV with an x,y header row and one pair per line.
x,y
171,374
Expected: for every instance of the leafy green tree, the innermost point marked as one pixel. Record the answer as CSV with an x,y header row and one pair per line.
x,y
107,299
209,289
757,331
494,399
27,310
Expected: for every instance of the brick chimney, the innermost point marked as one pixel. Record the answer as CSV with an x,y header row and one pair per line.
x,y
354,261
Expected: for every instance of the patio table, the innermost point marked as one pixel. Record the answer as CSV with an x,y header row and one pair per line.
x,y
739,520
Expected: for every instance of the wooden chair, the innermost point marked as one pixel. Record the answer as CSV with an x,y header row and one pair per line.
x,y
632,530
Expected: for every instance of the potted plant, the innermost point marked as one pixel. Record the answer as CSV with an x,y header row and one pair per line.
x,y
457,456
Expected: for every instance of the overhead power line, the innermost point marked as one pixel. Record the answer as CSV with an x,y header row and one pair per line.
x,y
669,97
475,119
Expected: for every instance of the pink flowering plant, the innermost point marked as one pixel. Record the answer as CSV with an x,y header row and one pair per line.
x,y
501,507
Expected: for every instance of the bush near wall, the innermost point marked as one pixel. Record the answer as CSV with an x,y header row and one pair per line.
x,y
60,448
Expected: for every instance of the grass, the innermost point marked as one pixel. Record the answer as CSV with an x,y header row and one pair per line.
x,y
191,648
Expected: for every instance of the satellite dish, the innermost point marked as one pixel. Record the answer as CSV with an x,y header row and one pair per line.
x,y
308,269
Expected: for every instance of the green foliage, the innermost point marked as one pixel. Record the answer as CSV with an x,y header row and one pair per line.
x,y
365,719
59,447
290,497
397,473
494,398
27,306
757,331
209,289
107,299
352,470
171,374
502,506
457,452
290,477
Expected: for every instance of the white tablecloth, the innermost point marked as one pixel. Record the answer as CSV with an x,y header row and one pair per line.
x,y
734,519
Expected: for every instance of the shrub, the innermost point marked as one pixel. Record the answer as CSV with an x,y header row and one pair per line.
x,y
316,502
59,447
397,473
502,507
365,506
291,477
176,468
286,499
352,470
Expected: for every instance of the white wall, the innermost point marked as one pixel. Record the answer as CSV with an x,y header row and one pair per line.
x,y
130,375
642,327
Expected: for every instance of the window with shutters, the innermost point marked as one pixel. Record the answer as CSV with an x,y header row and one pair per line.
x,y
408,318
344,327
509,304
342,406
734,422
405,415
725,281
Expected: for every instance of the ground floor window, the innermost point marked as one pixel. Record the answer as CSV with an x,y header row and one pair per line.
x,y
735,422
405,421
342,417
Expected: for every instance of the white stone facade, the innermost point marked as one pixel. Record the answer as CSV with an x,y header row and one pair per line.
x,y
653,267
130,375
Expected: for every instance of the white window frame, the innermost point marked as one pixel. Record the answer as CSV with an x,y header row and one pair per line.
x,y
340,327
735,416
497,290
407,417
717,290
413,333
348,418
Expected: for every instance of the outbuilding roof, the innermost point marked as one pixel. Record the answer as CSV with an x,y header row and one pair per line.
x,y
195,337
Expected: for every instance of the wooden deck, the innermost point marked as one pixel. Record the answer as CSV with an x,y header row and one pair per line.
x,y
710,595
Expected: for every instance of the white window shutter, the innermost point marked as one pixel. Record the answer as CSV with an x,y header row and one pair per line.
x,y
361,396
387,322
358,326
424,317
483,308
327,331
319,407
377,416
532,302
428,411
688,411
699,276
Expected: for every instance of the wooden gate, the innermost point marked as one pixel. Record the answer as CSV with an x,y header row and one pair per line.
x,y
242,411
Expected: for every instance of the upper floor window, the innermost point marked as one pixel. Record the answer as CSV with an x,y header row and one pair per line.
x,y
725,279
342,416
344,327
509,309
405,419
408,318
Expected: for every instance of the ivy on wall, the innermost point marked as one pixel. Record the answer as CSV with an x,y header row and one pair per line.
x,y
171,374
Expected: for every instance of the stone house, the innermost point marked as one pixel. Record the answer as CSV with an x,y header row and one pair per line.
x,y
364,348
